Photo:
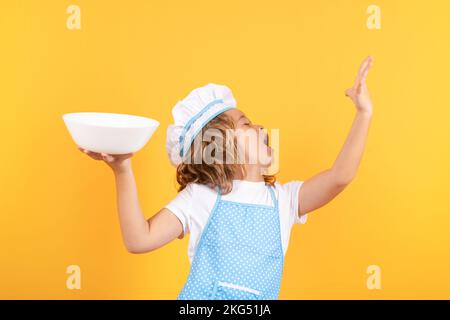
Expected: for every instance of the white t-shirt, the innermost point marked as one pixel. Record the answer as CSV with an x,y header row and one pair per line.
x,y
194,204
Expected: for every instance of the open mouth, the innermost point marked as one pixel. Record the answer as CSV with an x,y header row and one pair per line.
x,y
266,140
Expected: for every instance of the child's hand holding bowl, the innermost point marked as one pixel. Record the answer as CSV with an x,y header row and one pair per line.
x,y
117,162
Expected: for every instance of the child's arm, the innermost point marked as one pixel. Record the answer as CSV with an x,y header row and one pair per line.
x,y
323,187
139,235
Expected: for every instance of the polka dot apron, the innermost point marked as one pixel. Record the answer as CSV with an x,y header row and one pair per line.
x,y
239,255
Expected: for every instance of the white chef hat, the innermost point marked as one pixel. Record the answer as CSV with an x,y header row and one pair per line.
x,y
192,113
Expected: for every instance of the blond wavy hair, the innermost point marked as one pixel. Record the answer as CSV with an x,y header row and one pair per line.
x,y
215,174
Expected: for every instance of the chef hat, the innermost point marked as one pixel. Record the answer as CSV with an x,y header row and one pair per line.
x,y
192,113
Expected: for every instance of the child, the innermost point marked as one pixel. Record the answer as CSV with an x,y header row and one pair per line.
x,y
238,218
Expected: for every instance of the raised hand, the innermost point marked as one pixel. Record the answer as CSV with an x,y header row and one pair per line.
x,y
359,92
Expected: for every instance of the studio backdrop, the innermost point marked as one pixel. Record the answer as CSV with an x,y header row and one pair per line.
x,y
288,64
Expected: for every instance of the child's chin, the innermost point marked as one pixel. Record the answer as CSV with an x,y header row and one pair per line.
x,y
266,158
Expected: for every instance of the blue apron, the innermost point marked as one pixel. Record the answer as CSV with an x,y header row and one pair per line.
x,y
239,255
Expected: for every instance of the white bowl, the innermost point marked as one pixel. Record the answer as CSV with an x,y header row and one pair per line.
x,y
112,133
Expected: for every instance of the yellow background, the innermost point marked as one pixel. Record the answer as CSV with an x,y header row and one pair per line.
x,y
288,63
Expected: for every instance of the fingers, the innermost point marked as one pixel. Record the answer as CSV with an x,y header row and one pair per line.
x,y
362,73
349,92
107,157
366,70
364,64
93,155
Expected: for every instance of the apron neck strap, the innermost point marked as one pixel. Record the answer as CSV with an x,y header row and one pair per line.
x,y
274,198
219,191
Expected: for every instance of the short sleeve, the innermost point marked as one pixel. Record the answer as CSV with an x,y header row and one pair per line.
x,y
181,206
293,189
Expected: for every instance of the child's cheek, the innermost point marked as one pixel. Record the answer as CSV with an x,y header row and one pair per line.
x,y
242,151
249,147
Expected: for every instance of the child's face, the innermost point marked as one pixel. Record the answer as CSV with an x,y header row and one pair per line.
x,y
253,140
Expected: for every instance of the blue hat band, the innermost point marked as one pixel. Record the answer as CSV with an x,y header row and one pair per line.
x,y
191,121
